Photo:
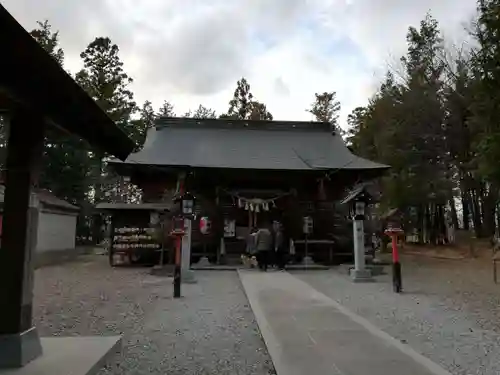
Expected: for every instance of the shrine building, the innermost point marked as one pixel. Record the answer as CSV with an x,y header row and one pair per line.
x,y
247,173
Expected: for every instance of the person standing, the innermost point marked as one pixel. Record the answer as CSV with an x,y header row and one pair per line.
x,y
263,241
279,247
251,246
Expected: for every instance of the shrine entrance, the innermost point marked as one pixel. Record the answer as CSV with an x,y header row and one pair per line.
x,y
261,206
251,209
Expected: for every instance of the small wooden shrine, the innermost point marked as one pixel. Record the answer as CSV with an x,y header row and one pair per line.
x,y
249,173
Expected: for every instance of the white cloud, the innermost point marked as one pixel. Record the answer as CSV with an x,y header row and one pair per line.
x,y
193,51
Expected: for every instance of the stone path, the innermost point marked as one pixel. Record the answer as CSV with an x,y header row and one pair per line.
x,y
449,311
307,332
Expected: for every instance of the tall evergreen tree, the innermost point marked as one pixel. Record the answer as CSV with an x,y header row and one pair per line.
x,y
404,127
243,105
105,80
203,112
326,108
49,40
166,109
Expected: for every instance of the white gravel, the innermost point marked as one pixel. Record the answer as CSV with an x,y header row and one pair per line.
x,y
210,331
449,310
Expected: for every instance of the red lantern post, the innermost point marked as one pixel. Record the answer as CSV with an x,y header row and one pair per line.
x,y
397,282
177,232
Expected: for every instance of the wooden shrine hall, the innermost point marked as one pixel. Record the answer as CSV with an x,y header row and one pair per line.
x,y
248,173
36,93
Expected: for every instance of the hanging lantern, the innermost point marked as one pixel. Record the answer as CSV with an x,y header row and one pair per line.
x,y
251,207
205,225
257,208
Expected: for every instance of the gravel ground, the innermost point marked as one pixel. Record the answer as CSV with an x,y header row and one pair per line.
x,y
449,310
210,331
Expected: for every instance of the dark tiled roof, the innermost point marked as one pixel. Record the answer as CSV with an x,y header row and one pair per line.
x,y
46,198
49,199
264,145
134,206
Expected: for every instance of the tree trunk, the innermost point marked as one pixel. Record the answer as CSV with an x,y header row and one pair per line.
x,y
497,226
489,209
431,223
429,234
466,200
421,224
476,214
442,224
465,209
453,214
489,221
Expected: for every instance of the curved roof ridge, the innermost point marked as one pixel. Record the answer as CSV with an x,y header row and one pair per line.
x,y
187,122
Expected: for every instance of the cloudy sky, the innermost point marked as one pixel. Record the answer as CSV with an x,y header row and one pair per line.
x,y
193,51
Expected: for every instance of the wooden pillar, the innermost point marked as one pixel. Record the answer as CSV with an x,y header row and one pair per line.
x,y
19,341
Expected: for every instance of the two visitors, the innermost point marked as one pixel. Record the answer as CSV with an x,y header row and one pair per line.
x,y
263,244
270,246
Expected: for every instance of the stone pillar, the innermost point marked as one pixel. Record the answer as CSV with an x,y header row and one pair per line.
x,y
19,341
187,275
360,273
221,250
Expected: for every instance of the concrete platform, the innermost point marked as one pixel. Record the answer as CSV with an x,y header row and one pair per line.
x,y
307,332
306,267
70,356
234,267
216,267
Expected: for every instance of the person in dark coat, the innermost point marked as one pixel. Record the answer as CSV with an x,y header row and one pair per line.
x,y
279,247
264,244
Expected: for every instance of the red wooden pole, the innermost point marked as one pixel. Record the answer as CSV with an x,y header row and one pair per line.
x,y
177,268
178,244
397,281
395,253
178,249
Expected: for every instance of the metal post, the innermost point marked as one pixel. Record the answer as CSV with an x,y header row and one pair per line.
x,y
177,269
111,242
306,250
397,282
162,255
